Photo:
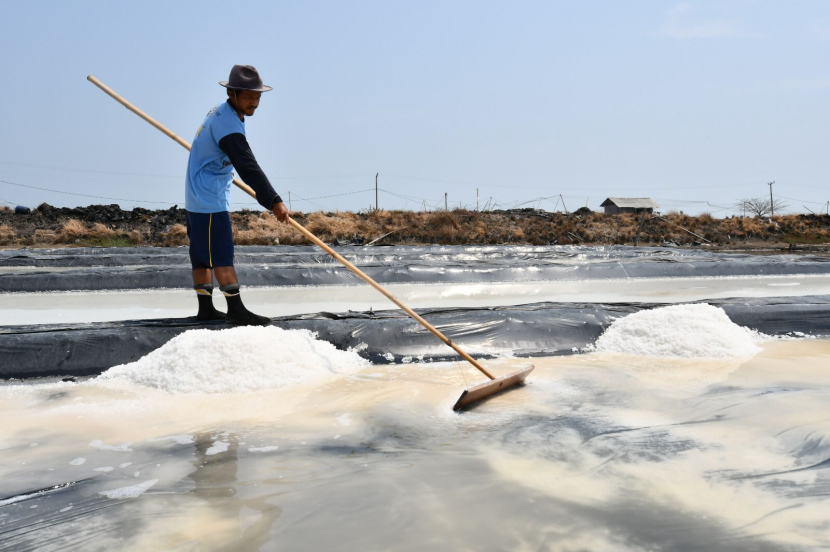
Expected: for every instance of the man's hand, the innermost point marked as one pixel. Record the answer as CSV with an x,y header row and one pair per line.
x,y
280,211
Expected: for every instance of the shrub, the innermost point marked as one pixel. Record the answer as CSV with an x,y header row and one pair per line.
x,y
174,237
7,235
44,237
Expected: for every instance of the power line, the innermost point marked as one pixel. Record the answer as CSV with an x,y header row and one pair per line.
x,y
86,195
308,200
431,203
312,177
181,176
801,200
91,171
468,183
343,194
311,198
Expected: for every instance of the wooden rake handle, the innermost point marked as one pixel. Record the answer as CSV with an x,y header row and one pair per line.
x,y
360,274
317,241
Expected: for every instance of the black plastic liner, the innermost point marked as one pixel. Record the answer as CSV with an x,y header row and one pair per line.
x,y
436,255
388,336
319,273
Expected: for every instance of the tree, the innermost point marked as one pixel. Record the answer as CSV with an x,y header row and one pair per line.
x,y
760,207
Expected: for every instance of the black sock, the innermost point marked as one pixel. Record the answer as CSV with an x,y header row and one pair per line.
x,y
204,293
237,313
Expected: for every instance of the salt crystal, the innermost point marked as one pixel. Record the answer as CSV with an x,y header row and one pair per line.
x,y
237,360
685,331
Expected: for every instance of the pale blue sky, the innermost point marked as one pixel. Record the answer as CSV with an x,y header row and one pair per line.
x,y
681,101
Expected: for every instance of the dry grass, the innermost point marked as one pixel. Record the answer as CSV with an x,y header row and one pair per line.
x,y
437,227
76,232
72,230
174,237
262,229
8,235
136,237
44,237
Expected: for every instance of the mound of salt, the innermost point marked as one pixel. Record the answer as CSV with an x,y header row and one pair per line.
x,y
237,360
684,331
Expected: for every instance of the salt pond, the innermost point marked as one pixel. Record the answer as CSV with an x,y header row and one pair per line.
x,y
676,430
104,306
600,451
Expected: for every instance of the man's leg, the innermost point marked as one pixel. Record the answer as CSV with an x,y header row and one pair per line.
x,y
237,313
221,247
198,225
203,284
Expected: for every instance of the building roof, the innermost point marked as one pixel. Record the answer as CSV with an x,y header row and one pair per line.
x,y
635,202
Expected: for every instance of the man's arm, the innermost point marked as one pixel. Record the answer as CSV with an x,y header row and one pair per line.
x,y
239,152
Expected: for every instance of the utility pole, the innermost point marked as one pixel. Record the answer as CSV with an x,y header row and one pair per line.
x,y
771,202
376,191
446,205
563,204
476,199
289,201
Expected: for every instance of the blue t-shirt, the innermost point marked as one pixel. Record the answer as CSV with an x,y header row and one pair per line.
x,y
209,170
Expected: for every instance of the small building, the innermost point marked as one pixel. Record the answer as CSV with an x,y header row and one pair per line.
x,y
617,205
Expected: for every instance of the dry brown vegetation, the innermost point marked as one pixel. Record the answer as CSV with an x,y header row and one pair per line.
x,y
539,228
176,236
75,232
166,228
7,235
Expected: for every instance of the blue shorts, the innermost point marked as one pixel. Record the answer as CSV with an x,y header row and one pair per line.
x,y
211,239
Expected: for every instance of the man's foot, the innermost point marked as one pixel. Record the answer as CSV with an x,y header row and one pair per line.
x,y
207,312
237,313
244,317
208,315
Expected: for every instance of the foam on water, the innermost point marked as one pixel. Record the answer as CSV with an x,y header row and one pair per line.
x,y
133,491
680,331
237,360
218,447
263,449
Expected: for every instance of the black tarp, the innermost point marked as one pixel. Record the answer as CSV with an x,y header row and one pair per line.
x,y
388,336
93,269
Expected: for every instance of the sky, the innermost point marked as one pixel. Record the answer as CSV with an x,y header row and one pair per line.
x,y
509,104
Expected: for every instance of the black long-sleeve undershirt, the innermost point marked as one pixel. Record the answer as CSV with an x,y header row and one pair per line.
x,y
242,158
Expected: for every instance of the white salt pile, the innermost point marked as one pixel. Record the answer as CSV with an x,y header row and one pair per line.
x,y
237,360
684,331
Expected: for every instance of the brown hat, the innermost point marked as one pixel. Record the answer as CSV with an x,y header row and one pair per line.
x,y
245,77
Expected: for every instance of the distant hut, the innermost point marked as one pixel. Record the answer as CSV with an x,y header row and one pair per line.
x,y
617,205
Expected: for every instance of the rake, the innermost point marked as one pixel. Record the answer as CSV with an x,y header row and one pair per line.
x,y
468,396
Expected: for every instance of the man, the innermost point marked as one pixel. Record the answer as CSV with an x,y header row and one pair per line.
x,y
220,147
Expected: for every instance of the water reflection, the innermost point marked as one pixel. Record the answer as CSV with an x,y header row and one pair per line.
x,y
590,455
216,465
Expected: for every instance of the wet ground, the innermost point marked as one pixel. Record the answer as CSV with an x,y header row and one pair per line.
x,y
80,307
600,451
597,452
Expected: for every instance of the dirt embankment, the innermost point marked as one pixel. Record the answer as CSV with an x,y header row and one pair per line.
x,y
108,226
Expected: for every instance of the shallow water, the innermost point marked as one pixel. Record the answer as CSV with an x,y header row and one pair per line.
x,y
88,269
105,306
600,452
